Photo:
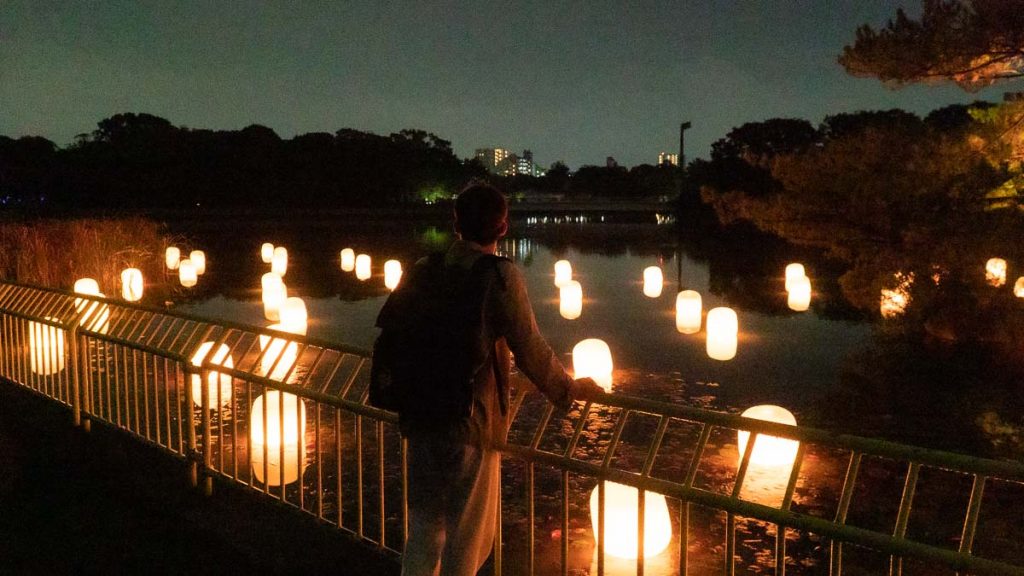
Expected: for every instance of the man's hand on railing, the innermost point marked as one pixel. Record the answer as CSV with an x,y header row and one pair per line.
x,y
585,389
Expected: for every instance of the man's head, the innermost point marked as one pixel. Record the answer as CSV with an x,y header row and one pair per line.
x,y
481,213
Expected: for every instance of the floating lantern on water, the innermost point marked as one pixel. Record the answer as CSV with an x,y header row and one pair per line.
x,y
280,355
274,294
621,518
267,252
363,266
570,300
277,424
799,293
279,261
722,331
187,274
593,358
218,384
793,271
131,284
93,316
172,256
46,348
894,301
653,281
1018,288
563,273
198,258
348,260
293,316
392,274
995,271
772,459
688,312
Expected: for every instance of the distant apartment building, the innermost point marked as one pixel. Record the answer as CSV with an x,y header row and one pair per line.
x,y
666,159
506,163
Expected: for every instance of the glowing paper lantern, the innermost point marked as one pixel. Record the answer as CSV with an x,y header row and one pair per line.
x,y
198,258
218,385
769,450
277,427
570,300
279,355
46,348
652,281
363,266
187,274
1018,288
274,294
799,294
392,274
293,316
267,252
722,331
593,358
279,261
995,271
793,271
348,260
563,273
688,312
131,284
93,316
172,256
621,538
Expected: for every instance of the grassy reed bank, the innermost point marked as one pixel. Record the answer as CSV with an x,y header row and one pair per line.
x,y
55,253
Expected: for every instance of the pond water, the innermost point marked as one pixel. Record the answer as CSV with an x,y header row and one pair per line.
x,y
833,366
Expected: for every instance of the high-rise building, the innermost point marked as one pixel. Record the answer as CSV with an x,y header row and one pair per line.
x,y
666,159
492,158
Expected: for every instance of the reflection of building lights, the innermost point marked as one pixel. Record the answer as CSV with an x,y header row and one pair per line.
x,y
570,300
653,281
894,301
593,358
995,271
621,518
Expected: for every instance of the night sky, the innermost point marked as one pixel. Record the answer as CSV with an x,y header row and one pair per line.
x,y
572,81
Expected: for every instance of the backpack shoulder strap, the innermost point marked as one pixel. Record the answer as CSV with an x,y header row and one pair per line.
x,y
490,261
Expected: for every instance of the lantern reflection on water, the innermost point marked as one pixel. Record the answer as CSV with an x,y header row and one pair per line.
x,y
688,312
620,521
995,271
93,316
267,252
46,348
131,284
653,281
348,260
570,300
793,271
722,331
392,274
198,259
563,273
799,293
363,266
218,384
172,256
277,424
593,358
279,261
772,459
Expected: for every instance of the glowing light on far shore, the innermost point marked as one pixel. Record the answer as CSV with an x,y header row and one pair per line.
x,y
653,281
894,301
995,271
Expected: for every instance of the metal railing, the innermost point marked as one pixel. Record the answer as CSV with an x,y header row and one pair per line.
x,y
287,416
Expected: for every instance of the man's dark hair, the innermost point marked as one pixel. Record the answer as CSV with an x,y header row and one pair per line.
x,y
481,211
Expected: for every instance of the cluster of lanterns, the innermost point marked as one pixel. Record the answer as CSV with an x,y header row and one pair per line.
x,y
189,269
361,265
995,274
798,287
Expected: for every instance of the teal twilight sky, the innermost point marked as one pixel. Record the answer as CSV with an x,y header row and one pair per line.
x,y
572,81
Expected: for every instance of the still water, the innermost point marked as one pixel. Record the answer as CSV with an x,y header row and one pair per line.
x,y
833,366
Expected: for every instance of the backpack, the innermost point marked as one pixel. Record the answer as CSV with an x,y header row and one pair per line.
x,y
433,341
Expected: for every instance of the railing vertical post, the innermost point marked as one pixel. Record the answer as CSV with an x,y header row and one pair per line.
x,y
193,455
497,527
207,441
76,395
